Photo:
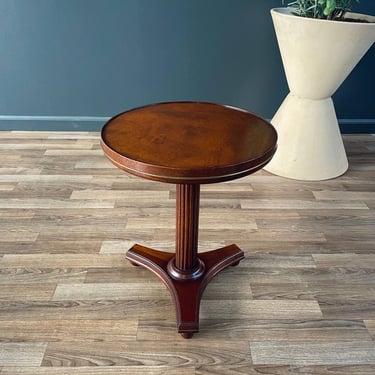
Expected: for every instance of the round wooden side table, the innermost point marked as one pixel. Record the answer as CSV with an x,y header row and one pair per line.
x,y
188,144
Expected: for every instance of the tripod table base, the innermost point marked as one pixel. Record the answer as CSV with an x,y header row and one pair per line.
x,y
186,294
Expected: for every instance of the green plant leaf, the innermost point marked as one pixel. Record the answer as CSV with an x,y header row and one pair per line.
x,y
330,7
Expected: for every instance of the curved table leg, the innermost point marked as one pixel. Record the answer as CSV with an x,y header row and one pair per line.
x,y
186,294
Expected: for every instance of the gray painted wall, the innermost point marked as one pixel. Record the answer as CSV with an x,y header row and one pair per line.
x,y
99,57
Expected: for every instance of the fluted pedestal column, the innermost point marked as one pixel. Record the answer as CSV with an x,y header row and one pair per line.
x,y
186,265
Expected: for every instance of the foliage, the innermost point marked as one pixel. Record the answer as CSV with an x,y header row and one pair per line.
x,y
325,9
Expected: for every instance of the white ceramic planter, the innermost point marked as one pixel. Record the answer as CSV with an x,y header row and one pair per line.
x,y
317,56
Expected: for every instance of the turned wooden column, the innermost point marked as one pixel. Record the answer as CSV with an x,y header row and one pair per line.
x,y
186,265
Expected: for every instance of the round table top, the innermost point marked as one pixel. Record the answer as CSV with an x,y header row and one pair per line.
x,y
188,142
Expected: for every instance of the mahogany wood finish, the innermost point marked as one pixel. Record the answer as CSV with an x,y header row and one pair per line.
x,y
186,295
188,143
186,265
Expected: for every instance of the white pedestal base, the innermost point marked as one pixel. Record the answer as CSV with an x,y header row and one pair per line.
x,y
310,143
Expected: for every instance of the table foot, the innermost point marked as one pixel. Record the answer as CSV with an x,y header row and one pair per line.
x,y
186,294
187,335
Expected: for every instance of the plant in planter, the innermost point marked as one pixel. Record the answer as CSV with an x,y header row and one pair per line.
x,y
319,49
323,9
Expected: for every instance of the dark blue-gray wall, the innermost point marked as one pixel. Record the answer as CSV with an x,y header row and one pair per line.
x,y
69,64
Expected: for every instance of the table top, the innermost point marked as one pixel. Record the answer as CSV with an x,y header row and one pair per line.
x,y
188,142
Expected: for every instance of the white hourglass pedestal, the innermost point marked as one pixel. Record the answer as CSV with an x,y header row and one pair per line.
x,y
317,56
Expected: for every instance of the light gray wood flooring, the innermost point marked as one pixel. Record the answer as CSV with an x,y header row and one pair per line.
x,y
302,301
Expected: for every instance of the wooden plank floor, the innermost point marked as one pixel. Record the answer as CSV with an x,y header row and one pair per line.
x,y
302,301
